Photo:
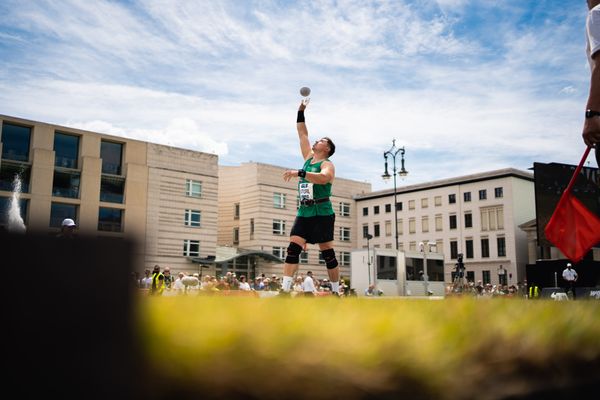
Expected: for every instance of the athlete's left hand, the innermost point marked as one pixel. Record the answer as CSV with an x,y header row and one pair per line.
x,y
289,174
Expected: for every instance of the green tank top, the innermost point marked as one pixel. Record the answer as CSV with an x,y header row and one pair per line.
x,y
318,192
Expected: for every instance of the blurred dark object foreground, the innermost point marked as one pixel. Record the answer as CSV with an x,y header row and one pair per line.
x,y
71,323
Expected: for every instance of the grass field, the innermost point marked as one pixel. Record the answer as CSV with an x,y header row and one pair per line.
x,y
359,348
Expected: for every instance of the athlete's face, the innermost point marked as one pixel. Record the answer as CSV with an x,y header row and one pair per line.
x,y
321,145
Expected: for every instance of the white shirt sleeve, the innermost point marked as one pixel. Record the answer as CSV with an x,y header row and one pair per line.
x,y
593,31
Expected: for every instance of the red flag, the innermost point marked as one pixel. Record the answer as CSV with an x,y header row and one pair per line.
x,y
573,228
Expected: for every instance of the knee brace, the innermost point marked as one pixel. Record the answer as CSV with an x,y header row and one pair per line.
x,y
329,257
293,253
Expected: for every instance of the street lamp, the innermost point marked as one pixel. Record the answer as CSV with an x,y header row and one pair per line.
x,y
425,248
369,236
393,152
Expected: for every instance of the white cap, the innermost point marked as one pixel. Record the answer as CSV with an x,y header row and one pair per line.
x,y
68,222
568,264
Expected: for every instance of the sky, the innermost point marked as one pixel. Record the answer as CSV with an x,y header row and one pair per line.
x,y
464,86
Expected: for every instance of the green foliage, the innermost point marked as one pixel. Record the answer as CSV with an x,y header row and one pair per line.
x,y
332,348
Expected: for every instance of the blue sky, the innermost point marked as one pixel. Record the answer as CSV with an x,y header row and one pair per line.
x,y
466,86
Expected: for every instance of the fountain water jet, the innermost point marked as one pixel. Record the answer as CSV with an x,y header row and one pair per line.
x,y
15,221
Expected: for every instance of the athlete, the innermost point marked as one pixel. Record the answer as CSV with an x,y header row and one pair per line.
x,y
315,219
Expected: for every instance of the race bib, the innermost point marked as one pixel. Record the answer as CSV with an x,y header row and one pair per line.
x,y
306,191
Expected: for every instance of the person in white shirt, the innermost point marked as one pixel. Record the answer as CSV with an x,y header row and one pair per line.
x,y
178,285
570,277
308,286
243,284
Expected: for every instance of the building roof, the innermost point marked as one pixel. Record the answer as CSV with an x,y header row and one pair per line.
x,y
482,176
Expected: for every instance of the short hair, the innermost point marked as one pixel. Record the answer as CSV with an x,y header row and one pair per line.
x,y
331,146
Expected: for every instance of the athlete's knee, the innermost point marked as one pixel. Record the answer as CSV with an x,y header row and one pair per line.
x,y
293,253
329,257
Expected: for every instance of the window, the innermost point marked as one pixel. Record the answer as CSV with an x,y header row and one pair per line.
x,y
65,183
279,200
437,201
467,197
344,234
468,220
453,221
501,242
60,211
388,228
279,252
400,227
492,218
424,203
482,194
411,204
451,198
439,246
469,248
425,224
344,258
386,267
388,208
66,150
399,206
376,230
191,248
365,211
236,211
345,209
15,142
193,188
236,235
192,218
412,246
412,225
485,248
498,192
376,210
486,277
365,230
112,189
438,223
304,257
278,227
110,219
321,259
453,249
111,154
251,228
9,170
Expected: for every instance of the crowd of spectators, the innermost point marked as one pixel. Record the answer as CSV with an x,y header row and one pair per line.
x,y
205,284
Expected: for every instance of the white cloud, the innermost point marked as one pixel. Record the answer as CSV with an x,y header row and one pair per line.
x,y
224,78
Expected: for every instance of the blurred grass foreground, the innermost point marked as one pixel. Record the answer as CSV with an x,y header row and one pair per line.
x,y
359,348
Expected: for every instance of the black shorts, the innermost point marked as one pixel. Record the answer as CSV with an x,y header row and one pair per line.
x,y
317,229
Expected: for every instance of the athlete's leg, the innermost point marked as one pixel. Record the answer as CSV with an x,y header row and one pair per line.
x,y
297,244
333,269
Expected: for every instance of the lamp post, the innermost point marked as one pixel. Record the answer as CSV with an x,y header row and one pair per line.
x,y
425,248
369,236
393,152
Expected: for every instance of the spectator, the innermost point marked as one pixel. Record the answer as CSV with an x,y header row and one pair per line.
x,y
158,282
146,281
308,286
67,229
243,285
373,291
570,277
